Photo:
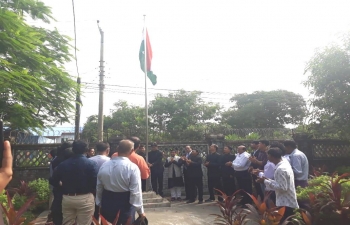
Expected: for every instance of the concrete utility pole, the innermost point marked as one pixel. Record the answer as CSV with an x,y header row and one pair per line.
x,y
100,106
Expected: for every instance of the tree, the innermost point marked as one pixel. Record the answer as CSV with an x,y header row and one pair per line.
x,y
125,120
265,109
35,90
328,79
178,114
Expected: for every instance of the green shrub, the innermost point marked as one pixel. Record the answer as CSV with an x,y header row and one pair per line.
x,y
41,188
315,187
18,201
343,169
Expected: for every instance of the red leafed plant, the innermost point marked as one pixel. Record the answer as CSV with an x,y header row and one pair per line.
x,y
229,211
105,222
22,190
319,171
329,203
14,217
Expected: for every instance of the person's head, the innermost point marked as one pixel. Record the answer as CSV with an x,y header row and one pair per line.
x,y
188,149
136,141
52,153
278,145
254,145
172,153
263,145
125,148
154,146
90,152
241,149
79,147
67,153
213,149
142,148
102,148
195,152
60,150
290,146
274,155
227,149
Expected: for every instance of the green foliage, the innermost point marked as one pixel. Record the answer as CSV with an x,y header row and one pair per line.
x,y
343,169
328,81
235,137
314,187
35,90
41,188
262,109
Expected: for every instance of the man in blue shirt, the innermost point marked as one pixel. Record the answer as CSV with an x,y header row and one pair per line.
x,y
77,176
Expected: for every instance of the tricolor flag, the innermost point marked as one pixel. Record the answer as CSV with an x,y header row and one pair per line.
x,y
150,74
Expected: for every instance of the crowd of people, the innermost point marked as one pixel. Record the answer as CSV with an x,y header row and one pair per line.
x,y
98,181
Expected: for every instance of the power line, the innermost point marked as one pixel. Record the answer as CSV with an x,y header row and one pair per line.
x,y
75,40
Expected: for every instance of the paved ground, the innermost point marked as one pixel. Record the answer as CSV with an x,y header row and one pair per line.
x,y
181,213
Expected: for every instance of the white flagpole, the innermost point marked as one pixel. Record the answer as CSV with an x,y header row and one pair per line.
x,y
146,103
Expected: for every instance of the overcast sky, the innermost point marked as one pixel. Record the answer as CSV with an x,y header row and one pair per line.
x,y
213,46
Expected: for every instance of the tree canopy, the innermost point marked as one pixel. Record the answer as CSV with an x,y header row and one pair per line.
x,y
265,109
35,89
328,79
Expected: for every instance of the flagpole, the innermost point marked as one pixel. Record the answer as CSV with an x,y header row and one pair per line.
x,y
145,66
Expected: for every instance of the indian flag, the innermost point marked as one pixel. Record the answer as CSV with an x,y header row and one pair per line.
x,y
146,43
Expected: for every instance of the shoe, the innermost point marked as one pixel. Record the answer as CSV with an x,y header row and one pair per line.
x,y
200,202
173,199
209,200
190,201
179,199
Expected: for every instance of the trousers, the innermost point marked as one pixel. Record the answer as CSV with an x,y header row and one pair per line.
x,y
213,182
114,202
79,209
196,186
244,181
157,183
229,185
175,192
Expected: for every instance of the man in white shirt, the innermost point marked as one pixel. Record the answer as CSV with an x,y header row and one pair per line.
x,y
119,186
283,185
299,163
102,151
241,166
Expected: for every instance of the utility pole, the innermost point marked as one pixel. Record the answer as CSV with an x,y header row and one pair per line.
x,y
77,112
100,106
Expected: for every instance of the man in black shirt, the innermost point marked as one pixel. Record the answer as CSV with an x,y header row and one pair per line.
x,y
213,170
195,176
256,152
142,151
227,172
156,164
77,176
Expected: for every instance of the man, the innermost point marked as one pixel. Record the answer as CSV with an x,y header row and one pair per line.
x,y
119,186
299,163
78,177
241,166
139,161
175,181
188,152
102,150
255,147
56,206
90,153
6,171
195,177
259,162
155,158
227,172
213,171
142,151
283,184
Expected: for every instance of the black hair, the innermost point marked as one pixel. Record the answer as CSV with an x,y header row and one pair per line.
x,y
79,147
290,143
265,142
255,142
61,148
67,153
229,147
101,147
278,145
215,146
53,152
136,141
275,153
196,150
